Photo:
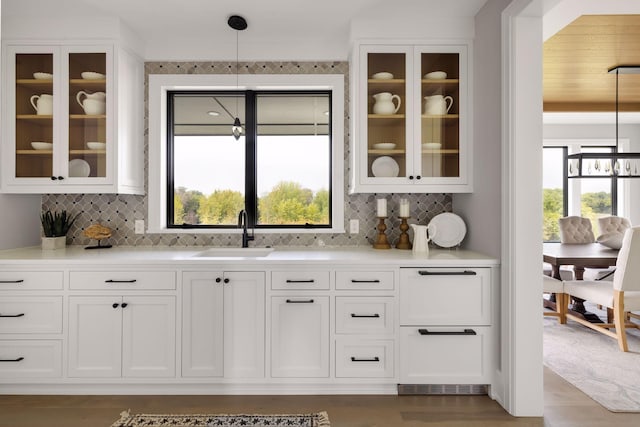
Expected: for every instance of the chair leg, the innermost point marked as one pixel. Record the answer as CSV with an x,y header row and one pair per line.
x,y
561,305
619,319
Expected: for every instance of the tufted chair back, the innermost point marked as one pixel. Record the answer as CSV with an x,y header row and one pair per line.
x,y
613,224
576,230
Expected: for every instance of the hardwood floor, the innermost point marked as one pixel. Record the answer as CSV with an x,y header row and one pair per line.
x,y
565,406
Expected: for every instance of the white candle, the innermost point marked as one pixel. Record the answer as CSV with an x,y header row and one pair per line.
x,y
382,208
404,208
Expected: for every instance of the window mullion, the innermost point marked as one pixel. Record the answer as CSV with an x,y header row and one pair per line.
x,y
251,199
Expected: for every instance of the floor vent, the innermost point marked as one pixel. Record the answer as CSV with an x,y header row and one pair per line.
x,y
442,389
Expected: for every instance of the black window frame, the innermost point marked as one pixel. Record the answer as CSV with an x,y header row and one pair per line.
x,y
251,135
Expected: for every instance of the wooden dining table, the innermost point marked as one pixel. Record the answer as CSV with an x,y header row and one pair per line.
x,y
580,256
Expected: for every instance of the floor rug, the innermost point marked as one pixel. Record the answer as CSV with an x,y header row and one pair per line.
x,y
592,362
320,419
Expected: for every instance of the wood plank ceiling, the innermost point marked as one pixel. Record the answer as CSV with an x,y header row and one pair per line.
x,y
577,60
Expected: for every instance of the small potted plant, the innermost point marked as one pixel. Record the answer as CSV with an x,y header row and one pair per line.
x,y
55,227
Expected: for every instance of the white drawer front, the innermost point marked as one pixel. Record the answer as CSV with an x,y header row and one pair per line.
x,y
445,355
300,280
122,280
26,280
445,296
364,358
30,359
24,314
364,315
367,280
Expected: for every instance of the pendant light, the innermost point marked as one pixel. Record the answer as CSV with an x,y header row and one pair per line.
x,y
238,23
613,164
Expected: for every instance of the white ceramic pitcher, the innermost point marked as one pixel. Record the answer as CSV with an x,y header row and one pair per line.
x,y
93,103
437,105
422,234
43,104
384,103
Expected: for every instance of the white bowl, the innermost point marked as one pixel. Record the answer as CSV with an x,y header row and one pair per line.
x,y
432,145
42,76
436,75
385,145
38,145
383,75
91,75
96,145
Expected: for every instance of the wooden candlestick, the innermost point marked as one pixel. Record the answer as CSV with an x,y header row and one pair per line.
x,y
404,242
381,240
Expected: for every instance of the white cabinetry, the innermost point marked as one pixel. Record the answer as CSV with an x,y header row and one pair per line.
x,y
426,144
49,98
223,324
130,336
300,336
446,334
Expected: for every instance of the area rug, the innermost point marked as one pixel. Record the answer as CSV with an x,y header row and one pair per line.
x,y
592,362
320,419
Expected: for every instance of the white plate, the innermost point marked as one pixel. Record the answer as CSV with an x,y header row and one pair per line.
x,y
91,75
79,168
431,145
385,145
385,166
382,76
450,229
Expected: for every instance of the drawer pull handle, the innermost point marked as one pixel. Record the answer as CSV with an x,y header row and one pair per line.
x,y
365,359
19,359
465,332
298,301
12,315
120,281
447,273
365,281
12,281
365,315
300,281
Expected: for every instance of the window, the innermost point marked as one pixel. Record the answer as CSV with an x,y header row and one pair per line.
x,y
285,171
590,197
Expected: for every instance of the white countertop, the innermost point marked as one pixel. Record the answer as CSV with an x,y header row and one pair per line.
x,y
173,256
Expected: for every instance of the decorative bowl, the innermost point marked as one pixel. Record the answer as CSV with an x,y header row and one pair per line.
x,y
385,145
96,145
92,75
383,75
436,75
42,76
39,145
431,145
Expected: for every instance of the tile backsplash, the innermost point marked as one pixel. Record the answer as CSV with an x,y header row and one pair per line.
x,y
119,212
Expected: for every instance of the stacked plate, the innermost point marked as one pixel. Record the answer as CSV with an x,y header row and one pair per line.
x,y
385,166
450,229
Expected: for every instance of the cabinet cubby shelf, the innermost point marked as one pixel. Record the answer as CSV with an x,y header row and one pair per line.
x,y
386,116
35,152
86,117
441,116
440,82
402,152
86,82
84,152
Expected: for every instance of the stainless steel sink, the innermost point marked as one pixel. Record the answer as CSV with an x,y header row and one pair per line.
x,y
234,252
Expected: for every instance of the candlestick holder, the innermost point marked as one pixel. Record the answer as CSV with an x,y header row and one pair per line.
x,y
381,241
403,241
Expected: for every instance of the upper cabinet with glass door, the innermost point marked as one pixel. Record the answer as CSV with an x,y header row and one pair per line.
x,y
410,119
60,115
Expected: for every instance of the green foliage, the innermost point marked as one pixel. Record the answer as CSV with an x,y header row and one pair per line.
x,y
189,201
592,206
599,203
220,207
56,224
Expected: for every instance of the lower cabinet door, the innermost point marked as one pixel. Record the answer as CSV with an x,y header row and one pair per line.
x,y
148,336
30,359
364,358
300,336
95,336
445,355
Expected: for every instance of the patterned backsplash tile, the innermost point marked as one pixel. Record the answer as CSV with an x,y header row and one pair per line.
x,y
119,212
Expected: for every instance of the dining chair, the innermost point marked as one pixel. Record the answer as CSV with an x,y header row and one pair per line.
x,y
622,295
555,286
576,230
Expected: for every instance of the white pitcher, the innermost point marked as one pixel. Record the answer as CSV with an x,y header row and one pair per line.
x,y
384,103
93,103
422,234
437,105
43,104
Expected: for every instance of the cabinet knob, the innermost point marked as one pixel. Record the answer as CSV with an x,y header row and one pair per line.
x,y
60,178
218,280
124,305
410,176
418,177
115,305
226,280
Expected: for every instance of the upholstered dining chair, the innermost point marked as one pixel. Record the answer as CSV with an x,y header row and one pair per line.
x,y
555,286
576,230
622,295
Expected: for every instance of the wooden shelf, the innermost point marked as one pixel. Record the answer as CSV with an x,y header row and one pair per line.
x,y
87,117
385,81
440,81
376,152
35,152
84,152
386,116
444,151
88,82
441,116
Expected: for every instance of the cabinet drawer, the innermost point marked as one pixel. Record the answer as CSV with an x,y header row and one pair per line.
x,y
24,314
30,359
300,280
364,358
445,296
122,280
445,355
368,280
364,315
26,280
